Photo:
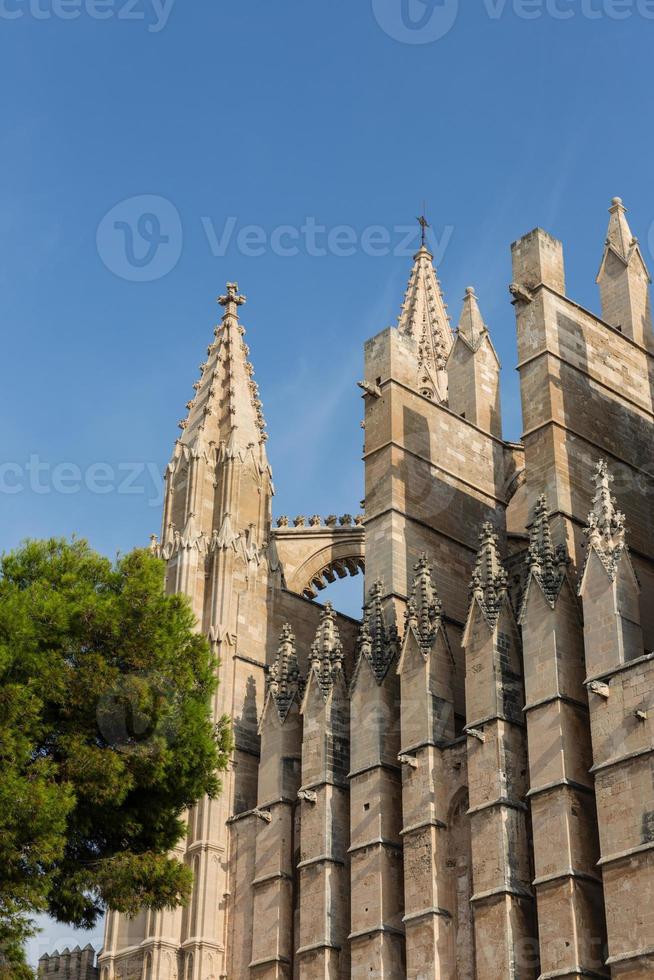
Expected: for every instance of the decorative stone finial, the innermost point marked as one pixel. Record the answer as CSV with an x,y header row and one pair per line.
x,y
546,563
424,608
377,642
489,583
606,525
231,300
285,683
327,650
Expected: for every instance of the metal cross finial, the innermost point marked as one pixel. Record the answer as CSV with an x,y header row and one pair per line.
x,y
424,225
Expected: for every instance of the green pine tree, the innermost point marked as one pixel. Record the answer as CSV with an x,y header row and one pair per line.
x,y
106,737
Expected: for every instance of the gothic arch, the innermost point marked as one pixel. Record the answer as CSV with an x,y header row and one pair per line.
x,y
323,568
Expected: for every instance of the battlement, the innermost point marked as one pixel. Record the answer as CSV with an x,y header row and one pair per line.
x,y
75,964
317,522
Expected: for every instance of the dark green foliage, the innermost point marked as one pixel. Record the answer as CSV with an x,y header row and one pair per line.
x,y
106,736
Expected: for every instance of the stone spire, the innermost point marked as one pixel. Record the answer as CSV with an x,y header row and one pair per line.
x,y
226,409
546,563
424,316
606,530
424,608
285,682
377,642
327,651
472,328
473,371
624,280
489,584
619,237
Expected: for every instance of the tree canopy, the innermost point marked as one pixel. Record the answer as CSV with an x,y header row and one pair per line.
x,y
106,736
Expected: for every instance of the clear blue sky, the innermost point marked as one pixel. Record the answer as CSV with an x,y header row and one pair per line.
x,y
270,114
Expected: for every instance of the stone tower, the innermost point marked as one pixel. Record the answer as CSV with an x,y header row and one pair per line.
x,y
459,785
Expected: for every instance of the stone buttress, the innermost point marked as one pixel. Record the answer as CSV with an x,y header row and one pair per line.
x,y
437,869
620,682
276,856
377,933
323,948
568,884
502,902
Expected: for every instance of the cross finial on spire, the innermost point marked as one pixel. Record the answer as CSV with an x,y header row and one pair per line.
x,y
424,225
232,300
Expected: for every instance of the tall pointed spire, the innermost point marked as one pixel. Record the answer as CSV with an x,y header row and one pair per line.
x,y
226,408
606,525
424,608
285,683
472,328
624,280
619,236
489,584
473,370
327,651
424,316
546,563
377,642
